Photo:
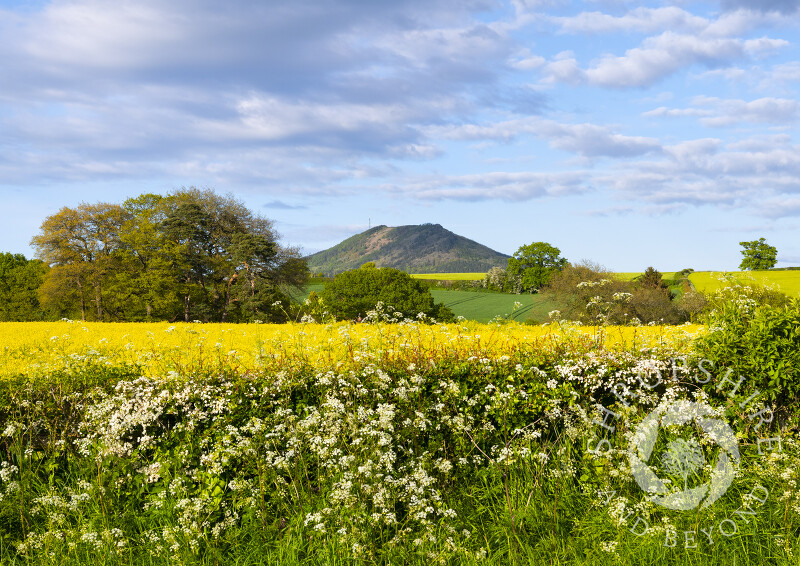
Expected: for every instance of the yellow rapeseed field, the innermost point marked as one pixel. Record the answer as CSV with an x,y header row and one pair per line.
x,y
158,348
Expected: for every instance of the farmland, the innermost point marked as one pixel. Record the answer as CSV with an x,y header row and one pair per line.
x,y
449,276
786,281
475,305
35,349
398,443
483,307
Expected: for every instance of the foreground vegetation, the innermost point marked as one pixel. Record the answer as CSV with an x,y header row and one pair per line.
x,y
389,443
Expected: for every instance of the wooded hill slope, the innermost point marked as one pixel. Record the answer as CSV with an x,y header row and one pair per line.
x,y
425,248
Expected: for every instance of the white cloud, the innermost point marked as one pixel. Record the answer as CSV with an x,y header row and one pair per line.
x,y
763,110
785,7
781,78
510,186
587,140
781,208
526,61
680,40
641,19
661,56
564,69
273,118
663,111
716,112
591,140
752,174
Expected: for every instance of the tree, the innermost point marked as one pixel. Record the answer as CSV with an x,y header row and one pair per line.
x,y
758,255
188,229
80,244
190,255
146,274
354,293
495,279
535,264
19,280
652,279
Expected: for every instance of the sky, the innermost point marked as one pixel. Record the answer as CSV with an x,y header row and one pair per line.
x,y
630,134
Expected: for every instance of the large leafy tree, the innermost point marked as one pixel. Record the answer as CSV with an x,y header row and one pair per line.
x,y
188,230
146,278
534,265
19,280
81,245
758,254
189,255
354,293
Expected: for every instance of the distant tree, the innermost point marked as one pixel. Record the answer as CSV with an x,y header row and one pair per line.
x,y
758,255
535,264
353,293
495,279
652,279
653,304
20,278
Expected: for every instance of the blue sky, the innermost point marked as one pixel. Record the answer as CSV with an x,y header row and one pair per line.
x,y
626,133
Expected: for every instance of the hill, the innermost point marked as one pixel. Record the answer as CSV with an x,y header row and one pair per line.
x,y
425,248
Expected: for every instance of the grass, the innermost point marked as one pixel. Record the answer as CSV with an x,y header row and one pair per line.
x,y
627,276
474,305
483,307
449,276
710,281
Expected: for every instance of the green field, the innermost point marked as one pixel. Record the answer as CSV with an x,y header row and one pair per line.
x,y
709,281
474,305
483,307
449,276
627,276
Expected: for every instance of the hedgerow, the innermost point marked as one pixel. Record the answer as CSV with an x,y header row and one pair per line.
x,y
384,444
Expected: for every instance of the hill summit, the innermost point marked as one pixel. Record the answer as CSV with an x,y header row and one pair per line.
x,y
424,248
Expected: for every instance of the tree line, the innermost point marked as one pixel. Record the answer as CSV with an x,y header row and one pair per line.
x,y
190,255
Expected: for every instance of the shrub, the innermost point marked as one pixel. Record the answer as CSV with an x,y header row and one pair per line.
x,y
737,289
760,343
352,294
692,303
653,304
591,294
